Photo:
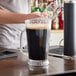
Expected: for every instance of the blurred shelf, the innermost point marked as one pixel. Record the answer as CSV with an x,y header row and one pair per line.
x,y
57,31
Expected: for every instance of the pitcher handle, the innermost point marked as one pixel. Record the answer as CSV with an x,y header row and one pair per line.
x,y
21,48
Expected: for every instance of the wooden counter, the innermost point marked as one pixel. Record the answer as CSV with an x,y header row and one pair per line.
x,y
18,66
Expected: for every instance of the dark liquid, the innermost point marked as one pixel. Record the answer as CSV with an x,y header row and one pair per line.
x,y
37,43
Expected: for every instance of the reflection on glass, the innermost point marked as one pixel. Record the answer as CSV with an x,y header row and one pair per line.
x,y
38,70
69,65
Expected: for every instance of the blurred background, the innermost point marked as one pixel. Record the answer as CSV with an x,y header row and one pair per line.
x,y
57,27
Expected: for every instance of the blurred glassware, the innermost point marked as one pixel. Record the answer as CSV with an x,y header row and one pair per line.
x,y
52,9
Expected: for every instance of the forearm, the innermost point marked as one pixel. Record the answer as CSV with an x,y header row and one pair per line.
x,y
11,18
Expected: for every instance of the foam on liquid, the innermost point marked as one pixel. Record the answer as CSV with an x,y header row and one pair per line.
x,y
37,26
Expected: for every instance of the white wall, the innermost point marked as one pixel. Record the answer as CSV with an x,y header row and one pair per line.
x,y
56,37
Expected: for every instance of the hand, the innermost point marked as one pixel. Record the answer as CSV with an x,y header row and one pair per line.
x,y
44,14
38,14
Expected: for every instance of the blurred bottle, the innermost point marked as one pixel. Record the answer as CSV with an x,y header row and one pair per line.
x,y
61,23
39,6
60,20
55,22
35,8
42,6
49,1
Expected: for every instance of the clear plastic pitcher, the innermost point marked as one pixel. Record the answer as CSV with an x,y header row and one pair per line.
x,y
38,34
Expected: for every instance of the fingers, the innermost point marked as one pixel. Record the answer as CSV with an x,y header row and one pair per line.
x,y
44,14
38,14
35,15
